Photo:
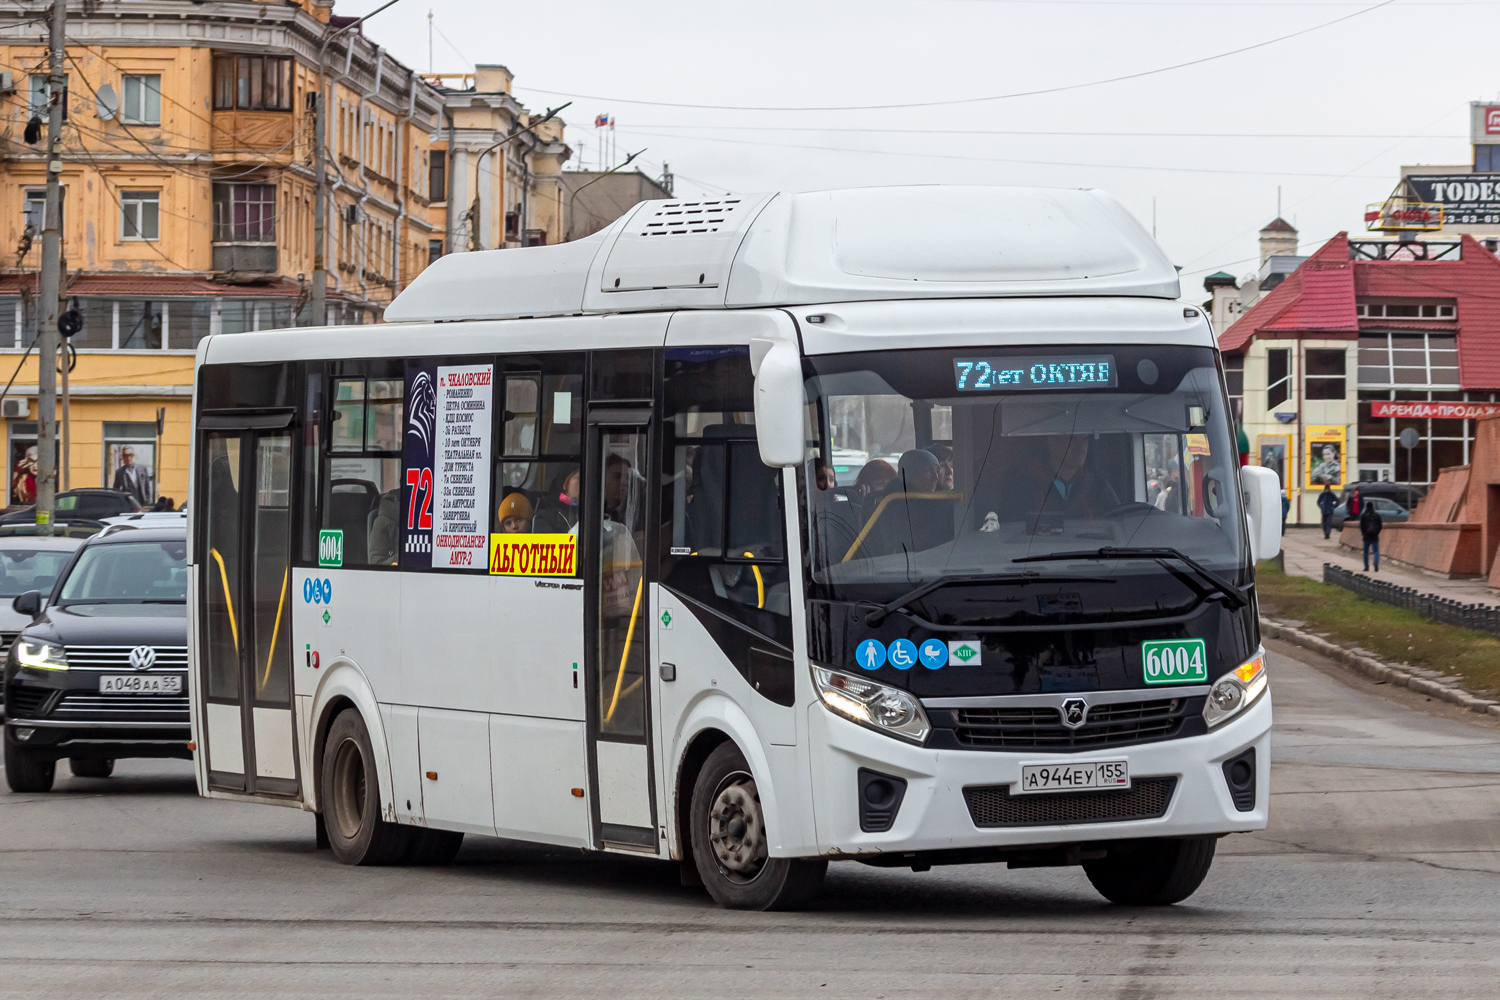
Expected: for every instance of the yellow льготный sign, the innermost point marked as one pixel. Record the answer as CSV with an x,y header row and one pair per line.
x,y
533,555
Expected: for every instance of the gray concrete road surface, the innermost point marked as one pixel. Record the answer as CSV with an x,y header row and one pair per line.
x,y
1380,877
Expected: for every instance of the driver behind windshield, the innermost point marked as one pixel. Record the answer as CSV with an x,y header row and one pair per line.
x,y
1071,487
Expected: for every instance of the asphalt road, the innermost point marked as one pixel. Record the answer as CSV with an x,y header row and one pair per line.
x,y
1380,877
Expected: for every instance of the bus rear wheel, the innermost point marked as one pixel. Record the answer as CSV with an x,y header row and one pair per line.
x,y
349,793
728,836
1156,872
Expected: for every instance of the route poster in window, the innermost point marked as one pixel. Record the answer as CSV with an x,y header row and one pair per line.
x,y
461,467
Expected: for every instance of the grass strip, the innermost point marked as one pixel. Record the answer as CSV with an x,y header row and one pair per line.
x,y
1392,634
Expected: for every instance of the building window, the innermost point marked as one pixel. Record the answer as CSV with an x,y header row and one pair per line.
x,y
1405,310
1278,376
1408,359
1325,374
252,83
1486,158
41,96
437,176
34,213
140,215
142,99
434,250
244,213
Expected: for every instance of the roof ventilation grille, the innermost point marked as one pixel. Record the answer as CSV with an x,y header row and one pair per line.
x,y
683,218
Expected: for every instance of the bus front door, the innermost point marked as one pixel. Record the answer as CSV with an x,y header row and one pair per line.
x,y
245,607
619,608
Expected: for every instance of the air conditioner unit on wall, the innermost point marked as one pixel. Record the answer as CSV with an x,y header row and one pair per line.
x,y
14,408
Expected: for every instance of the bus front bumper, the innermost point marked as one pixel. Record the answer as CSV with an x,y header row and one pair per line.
x,y
953,799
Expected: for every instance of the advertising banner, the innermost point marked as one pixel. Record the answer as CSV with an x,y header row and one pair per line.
x,y
445,457
1325,457
1467,199
1439,411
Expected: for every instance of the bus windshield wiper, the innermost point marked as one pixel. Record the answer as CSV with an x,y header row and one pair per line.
x,y
1232,595
1031,576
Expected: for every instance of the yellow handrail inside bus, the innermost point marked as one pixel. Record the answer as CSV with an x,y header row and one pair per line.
x,y
955,495
625,652
760,583
281,603
234,630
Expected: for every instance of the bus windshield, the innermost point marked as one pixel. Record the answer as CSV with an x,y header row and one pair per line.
x,y
934,464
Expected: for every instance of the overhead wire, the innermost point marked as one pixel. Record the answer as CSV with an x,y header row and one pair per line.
x,y
1064,88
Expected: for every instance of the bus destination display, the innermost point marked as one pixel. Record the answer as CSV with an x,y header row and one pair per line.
x,y
1007,374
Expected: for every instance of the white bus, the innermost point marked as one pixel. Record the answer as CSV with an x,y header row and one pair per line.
x,y
558,554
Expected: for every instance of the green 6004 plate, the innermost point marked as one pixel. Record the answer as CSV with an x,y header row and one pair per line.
x,y
1174,661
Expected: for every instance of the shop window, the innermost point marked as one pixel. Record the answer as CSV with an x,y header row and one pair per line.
x,y
1325,374
1278,376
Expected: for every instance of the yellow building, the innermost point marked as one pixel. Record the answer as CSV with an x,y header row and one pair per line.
x,y
188,198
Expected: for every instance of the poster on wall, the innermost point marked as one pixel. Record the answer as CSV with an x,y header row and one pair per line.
x,y
1325,457
445,459
1272,451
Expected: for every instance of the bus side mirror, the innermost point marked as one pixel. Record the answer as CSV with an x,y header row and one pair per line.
x,y
779,402
28,604
1262,490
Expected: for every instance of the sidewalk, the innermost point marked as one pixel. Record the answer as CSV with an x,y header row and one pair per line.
x,y
1307,551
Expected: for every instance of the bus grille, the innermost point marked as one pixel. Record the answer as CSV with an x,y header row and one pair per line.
x,y
994,805
1041,728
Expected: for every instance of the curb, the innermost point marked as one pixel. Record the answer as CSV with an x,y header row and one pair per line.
x,y
1436,686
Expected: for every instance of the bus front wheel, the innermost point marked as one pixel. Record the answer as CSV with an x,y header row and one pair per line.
x,y
349,792
1156,872
729,841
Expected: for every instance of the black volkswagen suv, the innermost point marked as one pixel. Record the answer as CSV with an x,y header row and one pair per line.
x,y
101,671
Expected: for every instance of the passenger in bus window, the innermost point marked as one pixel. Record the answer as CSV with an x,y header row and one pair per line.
x,y
385,529
558,512
622,489
913,514
944,454
515,514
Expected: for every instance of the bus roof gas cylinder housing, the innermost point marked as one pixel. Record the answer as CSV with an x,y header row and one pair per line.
x,y
865,244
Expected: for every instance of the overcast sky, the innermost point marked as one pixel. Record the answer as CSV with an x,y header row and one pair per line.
x,y
1328,115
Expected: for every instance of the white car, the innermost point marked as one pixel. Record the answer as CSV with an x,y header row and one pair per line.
x,y
150,519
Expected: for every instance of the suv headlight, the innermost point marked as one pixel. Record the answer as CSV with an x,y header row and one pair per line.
x,y
42,655
877,706
1236,690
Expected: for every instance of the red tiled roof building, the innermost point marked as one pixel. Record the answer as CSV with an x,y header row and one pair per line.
x,y
1319,365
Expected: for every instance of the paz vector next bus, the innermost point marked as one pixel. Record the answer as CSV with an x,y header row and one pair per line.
x,y
901,526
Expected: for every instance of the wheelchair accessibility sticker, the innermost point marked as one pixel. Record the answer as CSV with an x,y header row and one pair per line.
x,y
903,654
316,591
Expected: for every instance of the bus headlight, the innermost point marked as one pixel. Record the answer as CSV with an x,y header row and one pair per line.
x,y
42,655
878,706
1236,690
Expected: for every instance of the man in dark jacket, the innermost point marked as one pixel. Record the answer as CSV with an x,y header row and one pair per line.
x,y
1326,502
1369,530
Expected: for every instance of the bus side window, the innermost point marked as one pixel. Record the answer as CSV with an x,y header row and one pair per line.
x,y
726,544
362,491
538,484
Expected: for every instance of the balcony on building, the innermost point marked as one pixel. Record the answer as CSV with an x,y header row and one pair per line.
x,y
253,104
244,244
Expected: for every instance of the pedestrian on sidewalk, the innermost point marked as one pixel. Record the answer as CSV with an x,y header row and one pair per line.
x,y
1286,508
1354,503
1326,502
1369,530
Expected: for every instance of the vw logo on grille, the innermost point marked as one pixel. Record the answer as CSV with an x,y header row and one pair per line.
x,y
142,657
1075,711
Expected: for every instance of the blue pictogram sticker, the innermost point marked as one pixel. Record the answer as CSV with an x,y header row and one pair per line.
x,y
934,654
870,655
315,591
902,654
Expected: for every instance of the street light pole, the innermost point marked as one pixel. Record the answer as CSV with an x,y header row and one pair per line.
x,y
51,280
